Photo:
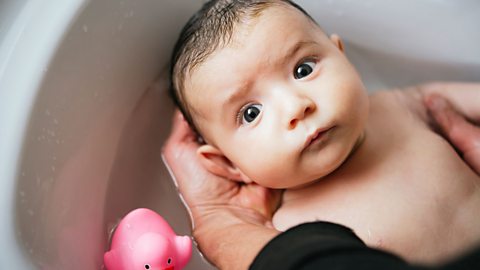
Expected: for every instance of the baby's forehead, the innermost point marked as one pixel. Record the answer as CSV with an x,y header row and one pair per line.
x,y
221,70
266,28
276,16
270,34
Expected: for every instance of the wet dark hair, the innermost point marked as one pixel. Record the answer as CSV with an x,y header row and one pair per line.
x,y
206,31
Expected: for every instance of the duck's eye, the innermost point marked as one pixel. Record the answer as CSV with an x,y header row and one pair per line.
x,y
304,69
147,266
251,112
169,261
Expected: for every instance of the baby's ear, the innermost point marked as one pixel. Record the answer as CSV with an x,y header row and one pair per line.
x,y
217,163
337,41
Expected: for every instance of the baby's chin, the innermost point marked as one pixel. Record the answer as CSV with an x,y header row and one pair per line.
x,y
309,181
311,170
299,183
335,163
279,183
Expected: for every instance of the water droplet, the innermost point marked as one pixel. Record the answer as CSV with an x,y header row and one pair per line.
x,y
85,28
47,112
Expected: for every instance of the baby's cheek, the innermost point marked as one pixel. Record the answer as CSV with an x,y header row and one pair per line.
x,y
266,157
272,172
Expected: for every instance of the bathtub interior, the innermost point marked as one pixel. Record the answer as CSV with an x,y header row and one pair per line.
x,y
89,121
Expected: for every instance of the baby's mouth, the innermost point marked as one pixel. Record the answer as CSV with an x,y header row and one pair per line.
x,y
317,137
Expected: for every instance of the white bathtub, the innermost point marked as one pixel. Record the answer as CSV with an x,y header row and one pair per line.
x,y
80,134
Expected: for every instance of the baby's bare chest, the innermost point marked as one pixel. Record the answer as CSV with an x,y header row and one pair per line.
x,y
419,178
404,185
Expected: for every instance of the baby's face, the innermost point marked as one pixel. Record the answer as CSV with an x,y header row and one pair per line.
x,y
281,101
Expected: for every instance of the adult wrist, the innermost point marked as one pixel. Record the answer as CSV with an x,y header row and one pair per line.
x,y
230,242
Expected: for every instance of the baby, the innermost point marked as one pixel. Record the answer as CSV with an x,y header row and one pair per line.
x,y
277,103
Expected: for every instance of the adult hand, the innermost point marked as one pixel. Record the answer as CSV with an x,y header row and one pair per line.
x,y
464,135
231,221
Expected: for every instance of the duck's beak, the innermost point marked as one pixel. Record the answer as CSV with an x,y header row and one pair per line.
x,y
169,268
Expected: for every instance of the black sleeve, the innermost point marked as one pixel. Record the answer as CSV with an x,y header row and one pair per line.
x,y
324,245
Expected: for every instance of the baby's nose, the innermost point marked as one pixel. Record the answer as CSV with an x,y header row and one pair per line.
x,y
300,108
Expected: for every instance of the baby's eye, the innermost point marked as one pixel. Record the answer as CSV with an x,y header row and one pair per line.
x,y
304,69
250,113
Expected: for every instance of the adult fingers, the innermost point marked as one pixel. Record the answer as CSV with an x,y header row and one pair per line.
x,y
179,157
462,134
179,150
472,158
194,182
181,132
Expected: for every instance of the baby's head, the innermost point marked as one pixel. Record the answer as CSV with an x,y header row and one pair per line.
x,y
274,98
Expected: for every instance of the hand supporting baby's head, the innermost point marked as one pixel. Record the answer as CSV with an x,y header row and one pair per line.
x,y
274,98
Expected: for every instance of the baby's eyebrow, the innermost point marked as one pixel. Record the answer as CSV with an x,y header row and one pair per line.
x,y
294,49
237,93
243,90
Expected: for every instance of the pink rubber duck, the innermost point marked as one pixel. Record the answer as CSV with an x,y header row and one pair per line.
x,y
144,240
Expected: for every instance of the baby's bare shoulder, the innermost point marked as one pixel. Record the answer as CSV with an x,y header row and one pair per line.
x,y
405,102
